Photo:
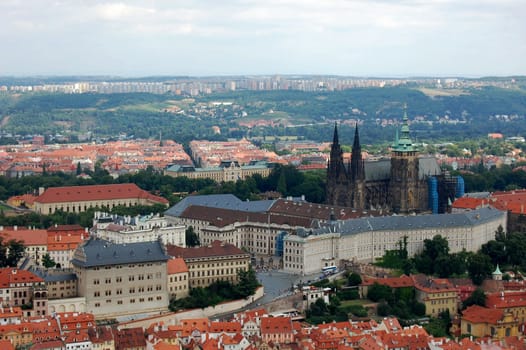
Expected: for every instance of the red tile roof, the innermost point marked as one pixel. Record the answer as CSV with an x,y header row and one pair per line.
x,y
393,282
479,314
176,265
10,275
506,299
96,192
217,248
6,345
272,325
29,237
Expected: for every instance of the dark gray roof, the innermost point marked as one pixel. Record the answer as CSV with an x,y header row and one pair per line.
x,y
377,170
464,219
99,252
54,275
222,201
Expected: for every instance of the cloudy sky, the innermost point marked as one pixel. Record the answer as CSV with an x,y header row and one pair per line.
x,y
225,37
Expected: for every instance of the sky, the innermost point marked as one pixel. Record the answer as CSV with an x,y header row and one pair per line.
x,y
389,38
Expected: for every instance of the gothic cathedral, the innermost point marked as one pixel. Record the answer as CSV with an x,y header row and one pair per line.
x,y
398,184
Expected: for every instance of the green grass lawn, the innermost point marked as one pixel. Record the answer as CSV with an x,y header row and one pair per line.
x,y
356,302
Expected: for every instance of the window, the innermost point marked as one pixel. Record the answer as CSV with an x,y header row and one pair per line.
x,y
96,281
108,280
96,294
131,278
118,279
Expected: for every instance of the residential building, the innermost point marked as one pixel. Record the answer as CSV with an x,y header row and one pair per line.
x,y
178,281
10,315
34,240
437,294
60,283
479,321
62,240
120,279
513,302
77,199
213,262
102,338
21,287
277,330
140,228
130,339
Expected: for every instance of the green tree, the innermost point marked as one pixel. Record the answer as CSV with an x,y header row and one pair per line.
x,y
478,297
3,252
47,261
16,252
479,267
354,279
282,184
192,240
379,292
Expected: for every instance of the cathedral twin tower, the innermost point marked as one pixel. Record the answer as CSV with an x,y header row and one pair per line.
x,y
398,184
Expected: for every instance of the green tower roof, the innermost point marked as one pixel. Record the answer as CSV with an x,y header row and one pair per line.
x,y
403,142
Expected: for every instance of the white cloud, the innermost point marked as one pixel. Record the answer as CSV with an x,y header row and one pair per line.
x,y
331,36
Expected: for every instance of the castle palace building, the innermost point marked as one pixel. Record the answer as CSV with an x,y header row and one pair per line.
x,y
405,183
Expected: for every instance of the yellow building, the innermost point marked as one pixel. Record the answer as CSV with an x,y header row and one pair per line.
x,y
479,321
77,199
177,274
214,262
226,171
514,302
437,294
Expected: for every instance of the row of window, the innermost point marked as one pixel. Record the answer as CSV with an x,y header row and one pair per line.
x,y
132,301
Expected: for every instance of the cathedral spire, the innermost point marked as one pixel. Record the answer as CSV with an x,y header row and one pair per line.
x,y
335,136
357,168
356,145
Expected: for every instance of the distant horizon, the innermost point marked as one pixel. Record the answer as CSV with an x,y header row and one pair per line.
x,y
269,75
201,38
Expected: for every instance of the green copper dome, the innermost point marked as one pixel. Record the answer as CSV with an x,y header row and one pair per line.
x,y
403,142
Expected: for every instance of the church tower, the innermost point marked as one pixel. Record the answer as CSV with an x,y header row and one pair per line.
x,y
357,174
404,186
337,176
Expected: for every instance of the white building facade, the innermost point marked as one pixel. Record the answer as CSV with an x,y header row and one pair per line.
x,y
366,239
128,229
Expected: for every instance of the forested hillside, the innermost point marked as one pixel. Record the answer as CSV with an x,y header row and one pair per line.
x,y
460,115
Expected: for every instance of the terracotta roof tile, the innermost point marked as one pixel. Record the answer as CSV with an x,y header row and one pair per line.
x,y
217,248
479,314
176,265
95,192
9,275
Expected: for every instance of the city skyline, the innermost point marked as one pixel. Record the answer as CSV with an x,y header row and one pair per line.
x,y
399,38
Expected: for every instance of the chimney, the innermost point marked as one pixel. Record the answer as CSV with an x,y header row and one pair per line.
x,y
15,228
41,190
